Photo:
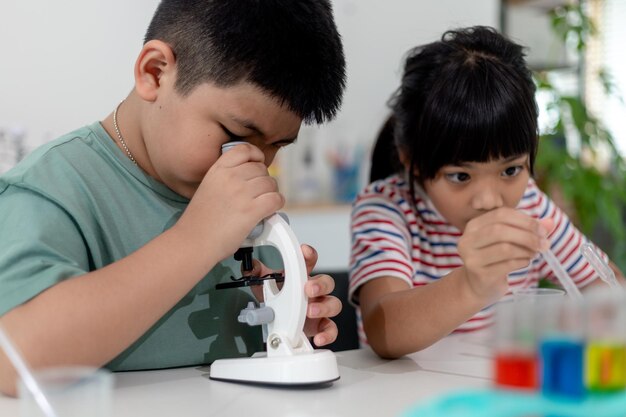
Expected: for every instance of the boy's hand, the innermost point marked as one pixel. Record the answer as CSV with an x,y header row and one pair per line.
x,y
321,305
235,194
496,244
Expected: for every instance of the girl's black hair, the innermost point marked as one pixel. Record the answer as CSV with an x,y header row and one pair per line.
x,y
385,160
466,98
290,49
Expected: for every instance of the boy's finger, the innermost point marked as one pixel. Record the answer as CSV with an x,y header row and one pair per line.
x,y
319,285
327,332
310,257
324,307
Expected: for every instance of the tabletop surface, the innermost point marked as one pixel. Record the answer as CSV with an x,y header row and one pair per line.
x,y
368,386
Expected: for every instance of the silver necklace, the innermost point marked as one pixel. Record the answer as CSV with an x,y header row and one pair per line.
x,y
119,135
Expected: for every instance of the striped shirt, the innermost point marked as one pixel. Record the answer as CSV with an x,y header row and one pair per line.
x,y
393,238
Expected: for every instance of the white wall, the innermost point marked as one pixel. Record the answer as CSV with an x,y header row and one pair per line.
x,y
377,34
68,63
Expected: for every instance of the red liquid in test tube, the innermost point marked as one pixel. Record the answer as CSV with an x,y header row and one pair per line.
x,y
516,370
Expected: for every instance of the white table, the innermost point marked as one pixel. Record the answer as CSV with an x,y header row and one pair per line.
x,y
369,386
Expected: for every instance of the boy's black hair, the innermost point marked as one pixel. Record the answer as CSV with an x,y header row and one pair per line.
x,y
466,98
290,49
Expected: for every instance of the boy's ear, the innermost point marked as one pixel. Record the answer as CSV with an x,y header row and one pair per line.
x,y
155,67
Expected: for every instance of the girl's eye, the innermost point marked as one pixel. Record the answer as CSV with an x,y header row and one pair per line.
x,y
458,177
512,171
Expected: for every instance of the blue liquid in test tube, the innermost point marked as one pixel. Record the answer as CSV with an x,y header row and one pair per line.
x,y
562,368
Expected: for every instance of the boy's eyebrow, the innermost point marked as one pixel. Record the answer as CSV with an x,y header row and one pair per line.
x,y
251,126
248,125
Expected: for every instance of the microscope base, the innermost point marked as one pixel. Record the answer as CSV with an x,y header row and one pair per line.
x,y
317,367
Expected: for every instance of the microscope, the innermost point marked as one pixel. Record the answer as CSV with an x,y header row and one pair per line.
x,y
289,358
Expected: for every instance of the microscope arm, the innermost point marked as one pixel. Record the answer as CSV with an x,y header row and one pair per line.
x,y
285,332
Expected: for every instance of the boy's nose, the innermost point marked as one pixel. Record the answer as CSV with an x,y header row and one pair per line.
x,y
270,154
487,198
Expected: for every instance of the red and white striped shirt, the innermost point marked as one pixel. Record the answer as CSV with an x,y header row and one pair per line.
x,y
413,242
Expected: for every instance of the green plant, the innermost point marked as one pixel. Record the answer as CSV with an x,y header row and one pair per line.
x,y
591,178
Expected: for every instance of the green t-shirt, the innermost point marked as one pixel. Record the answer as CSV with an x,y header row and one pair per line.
x,y
78,204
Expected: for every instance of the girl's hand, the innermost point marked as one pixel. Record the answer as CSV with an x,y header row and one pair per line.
x,y
496,244
321,306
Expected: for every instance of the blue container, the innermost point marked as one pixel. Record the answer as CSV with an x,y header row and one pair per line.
x,y
562,368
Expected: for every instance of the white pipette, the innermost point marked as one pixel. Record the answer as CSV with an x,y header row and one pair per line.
x,y
602,268
26,374
566,281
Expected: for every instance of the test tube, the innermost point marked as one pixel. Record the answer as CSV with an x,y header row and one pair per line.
x,y
561,349
515,356
605,357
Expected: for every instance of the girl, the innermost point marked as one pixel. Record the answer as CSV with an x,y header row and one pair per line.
x,y
462,222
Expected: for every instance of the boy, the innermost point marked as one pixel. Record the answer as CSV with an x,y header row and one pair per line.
x,y
115,235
